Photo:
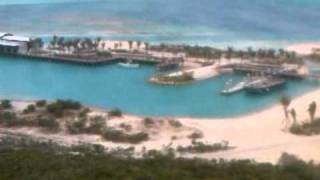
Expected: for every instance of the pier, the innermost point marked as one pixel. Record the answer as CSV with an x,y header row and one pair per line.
x,y
266,69
95,59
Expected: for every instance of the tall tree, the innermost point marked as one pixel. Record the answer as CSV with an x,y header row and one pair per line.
x,y
147,46
138,44
285,102
294,115
130,45
312,110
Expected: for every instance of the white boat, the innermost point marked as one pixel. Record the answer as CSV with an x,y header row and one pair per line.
x,y
233,89
129,65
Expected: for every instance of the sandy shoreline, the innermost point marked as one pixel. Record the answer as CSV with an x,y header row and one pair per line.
x,y
304,48
260,136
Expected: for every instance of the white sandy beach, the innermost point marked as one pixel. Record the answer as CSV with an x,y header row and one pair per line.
x,y
259,136
304,48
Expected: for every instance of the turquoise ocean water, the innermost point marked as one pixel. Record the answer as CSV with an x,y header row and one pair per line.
x,y
112,86
238,23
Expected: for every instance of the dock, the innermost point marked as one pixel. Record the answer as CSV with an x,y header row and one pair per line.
x,y
96,60
265,84
266,69
254,84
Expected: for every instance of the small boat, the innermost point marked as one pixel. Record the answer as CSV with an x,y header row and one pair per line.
x,y
234,88
129,64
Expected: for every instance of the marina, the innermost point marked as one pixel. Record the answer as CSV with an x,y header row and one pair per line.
x,y
212,89
260,84
112,86
264,85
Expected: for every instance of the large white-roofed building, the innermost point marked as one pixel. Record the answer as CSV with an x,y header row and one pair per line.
x,y
7,47
2,34
12,44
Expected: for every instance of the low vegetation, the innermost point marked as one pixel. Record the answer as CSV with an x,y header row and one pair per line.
x,y
115,113
84,125
121,137
148,122
51,124
41,103
175,123
11,119
196,135
6,104
60,106
307,128
29,109
24,158
126,127
200,147
70,116
183,78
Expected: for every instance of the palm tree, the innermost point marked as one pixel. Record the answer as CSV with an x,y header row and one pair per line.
x,y
54,41
312,110
138,44
130,44
250,52
285,102
97,42
229,52
103,45
147,45
294,115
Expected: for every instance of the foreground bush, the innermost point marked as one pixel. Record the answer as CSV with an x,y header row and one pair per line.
x,y
47,161
29,109
199,147
41,103
6,104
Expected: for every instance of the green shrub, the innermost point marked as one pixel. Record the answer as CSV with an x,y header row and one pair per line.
x,y
195,135
175,123
199,147
84,112
148,122
57,108
97,124
78,126
183,78
9,119
120,137
6,104
41,103
29,109
115,113
307,128
49,124
126,127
